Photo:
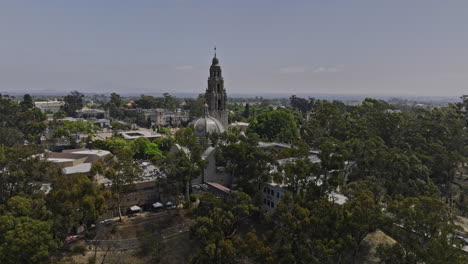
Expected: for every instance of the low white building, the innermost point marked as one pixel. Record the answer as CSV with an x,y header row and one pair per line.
x,y
134,134
52,106
240,125
164,117
272,195
89,112
273,192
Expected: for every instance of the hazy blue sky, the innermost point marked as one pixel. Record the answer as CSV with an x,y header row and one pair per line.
x,y
394,47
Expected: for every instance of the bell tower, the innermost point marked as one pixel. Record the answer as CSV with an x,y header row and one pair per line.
x,y
215,95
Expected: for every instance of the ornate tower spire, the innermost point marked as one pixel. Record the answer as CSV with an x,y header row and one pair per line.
x,y
215,95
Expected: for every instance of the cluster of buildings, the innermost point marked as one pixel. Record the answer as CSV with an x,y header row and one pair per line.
x,y
164,117
159,117
215,120
213,177
74,161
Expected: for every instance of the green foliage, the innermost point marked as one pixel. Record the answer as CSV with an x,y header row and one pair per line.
x,y
275,125
59,114
187,163
144,148
301,104
325,121
320,231
118,146
118,126
116,100
123,172
247,112
193,198
140,148
24,239
297,174
167,102
19,206
394,254
28,120
74,200
433,238
19,168
248,163
152,246
164,130
10,136
215,228
72,131
73,102
195,106
27,101
79,249
114,106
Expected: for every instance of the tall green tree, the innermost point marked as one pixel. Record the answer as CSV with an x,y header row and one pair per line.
x,y
73,102
75,132
27,101
191,162
216,226
20,167
246,161
74,200
123,172
275,125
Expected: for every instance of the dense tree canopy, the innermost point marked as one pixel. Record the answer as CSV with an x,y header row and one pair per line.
x,y
25,236
397,166
74,200
275,125
29,121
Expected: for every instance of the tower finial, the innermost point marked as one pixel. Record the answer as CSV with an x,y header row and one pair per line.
x,y
215,50
205,109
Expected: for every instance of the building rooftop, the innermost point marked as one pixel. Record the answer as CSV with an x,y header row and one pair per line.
x,y
134,134
76,160
59,160
219,187
98,152
240,124
273,144
80,168
207,152
337,198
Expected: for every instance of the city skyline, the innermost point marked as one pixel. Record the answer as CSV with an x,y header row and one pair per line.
x,y
299,47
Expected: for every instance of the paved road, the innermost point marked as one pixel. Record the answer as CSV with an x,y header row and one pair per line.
x,y
131,243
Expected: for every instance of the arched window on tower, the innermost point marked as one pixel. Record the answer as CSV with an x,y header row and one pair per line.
x,y
218,86
220,107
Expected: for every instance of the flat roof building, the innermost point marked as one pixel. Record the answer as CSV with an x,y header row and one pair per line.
x,y
76,160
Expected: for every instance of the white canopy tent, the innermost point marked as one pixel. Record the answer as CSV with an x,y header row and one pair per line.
x,y
135,208
157,205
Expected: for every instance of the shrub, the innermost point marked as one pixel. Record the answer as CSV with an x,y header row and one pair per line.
x,y
193,198
79,249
